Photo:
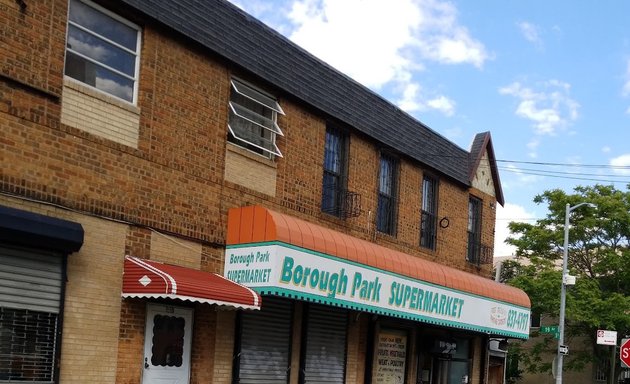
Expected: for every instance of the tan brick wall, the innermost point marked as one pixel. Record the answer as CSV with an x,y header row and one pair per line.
x,y
354,358
131,341
250,170
102,115
91,322
224,347
203,344
170,250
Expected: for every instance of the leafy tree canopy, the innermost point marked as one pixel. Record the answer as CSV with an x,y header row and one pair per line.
x,y
598,255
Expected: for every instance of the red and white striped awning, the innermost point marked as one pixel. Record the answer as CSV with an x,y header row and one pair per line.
x,y
150,279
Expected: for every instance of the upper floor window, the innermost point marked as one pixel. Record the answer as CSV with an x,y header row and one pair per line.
x,y
387,189
335,170
253,119
102,50
428,225
474,230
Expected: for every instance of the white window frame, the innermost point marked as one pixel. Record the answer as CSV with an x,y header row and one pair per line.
x,y
136,53
265,100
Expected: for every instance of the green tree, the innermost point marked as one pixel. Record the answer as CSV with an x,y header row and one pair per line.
x,y
599,256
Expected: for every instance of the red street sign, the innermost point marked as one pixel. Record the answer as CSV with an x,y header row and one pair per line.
x,y
624,353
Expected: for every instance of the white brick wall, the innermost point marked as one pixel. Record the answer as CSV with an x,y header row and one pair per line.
x,y
94,112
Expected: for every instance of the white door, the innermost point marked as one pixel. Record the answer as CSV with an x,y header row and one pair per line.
x,y
167,339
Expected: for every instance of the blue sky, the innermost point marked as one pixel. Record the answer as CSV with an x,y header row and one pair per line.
x,y
549,79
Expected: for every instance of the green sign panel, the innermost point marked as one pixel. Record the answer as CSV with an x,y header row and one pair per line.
x,y
550,329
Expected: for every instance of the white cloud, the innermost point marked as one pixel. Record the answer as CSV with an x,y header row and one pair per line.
x,y
506,214
413,101
110,86
621,164
549,109
442,104
455,49
530,32
343,34
97,52
382,43
606,149
410,99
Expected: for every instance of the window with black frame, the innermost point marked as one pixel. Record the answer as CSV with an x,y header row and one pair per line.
x,y
474,230
335,168
387,189
428,225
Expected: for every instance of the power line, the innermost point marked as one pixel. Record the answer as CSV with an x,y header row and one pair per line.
x,y
539,173
606,166
558,172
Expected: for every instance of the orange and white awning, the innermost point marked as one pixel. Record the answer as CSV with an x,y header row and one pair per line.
x,y
278,254
151,279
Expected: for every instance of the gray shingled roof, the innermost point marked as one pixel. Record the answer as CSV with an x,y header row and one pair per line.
x,y
250,44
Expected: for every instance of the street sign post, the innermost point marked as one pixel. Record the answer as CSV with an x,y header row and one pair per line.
x,y
624,353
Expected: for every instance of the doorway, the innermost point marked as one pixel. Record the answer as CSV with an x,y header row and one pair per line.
x,y
167,344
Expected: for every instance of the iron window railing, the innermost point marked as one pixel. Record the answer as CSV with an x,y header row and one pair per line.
x,y
341,202
478,253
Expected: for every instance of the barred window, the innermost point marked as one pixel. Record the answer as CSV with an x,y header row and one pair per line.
x,y
428,225
474,230
335,164
27,345
387,189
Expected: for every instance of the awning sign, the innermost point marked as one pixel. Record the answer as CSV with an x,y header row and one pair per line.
x,y
303,274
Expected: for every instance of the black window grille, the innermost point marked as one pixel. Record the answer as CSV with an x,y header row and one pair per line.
x,y
27,345
334,172
386,210
428,225
474,229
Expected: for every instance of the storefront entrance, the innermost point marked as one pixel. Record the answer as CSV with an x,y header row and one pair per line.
x,y
167,344
444,360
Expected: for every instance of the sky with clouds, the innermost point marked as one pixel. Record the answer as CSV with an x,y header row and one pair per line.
x,y
550,80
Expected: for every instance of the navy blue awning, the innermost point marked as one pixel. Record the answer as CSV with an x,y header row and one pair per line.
x,y
34,230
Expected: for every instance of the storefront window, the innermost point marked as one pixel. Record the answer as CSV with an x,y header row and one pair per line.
x,y
444,360
391,357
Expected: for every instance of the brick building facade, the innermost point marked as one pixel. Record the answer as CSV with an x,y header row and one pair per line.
x,y
159,134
